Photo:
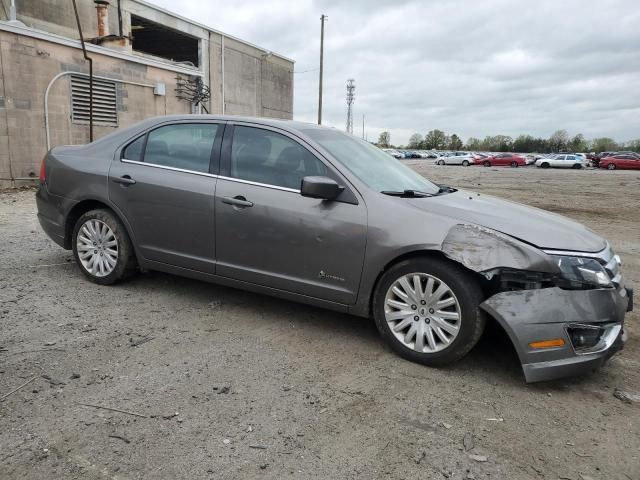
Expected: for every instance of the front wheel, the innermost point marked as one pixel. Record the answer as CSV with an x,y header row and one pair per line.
x,y
465,163
486,163
102,248
611,166
426,309
544,165
514,164
440,162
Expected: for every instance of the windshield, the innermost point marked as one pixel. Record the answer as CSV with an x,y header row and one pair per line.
x,y
377,169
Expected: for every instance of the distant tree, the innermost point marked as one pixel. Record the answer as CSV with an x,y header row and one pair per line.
x,y
578,144
498,143
524,144
474,144
633,145
603,144
455,143
435,139
384,139
415,141
559,140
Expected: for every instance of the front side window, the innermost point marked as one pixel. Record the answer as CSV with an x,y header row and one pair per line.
x,y
186,146
268,157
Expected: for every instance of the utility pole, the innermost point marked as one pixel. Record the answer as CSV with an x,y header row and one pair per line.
x,y
322,20
351,87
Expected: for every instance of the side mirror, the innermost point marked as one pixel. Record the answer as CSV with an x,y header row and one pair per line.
x,y
320,187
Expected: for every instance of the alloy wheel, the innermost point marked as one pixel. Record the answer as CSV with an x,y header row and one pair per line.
x,y
422,312
97,248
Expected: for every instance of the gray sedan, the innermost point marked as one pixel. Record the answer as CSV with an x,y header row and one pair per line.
x,y
314,215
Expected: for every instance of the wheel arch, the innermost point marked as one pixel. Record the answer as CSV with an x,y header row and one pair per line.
x,y
86,205
422,253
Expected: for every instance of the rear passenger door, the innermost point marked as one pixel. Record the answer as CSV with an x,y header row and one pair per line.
x,y
268,234
164,183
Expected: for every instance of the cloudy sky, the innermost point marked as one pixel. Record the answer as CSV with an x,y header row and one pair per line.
x,y
469,67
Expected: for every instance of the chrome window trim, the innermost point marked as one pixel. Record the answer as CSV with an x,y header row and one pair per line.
x,y
211,175
165,167
258,184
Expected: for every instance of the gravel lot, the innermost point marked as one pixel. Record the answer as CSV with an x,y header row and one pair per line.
x,y
233,385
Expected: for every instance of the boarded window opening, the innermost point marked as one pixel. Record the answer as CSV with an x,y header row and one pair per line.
x,y
105,105
156,39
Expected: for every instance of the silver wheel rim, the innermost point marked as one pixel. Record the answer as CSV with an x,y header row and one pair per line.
x,y
422,312
97,247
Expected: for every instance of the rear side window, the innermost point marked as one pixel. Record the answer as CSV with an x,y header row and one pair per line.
x,y
268,157
133,151
186,146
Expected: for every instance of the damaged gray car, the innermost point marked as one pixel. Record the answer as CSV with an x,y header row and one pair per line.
x,y
314,215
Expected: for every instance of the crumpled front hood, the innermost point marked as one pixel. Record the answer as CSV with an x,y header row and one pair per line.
x,y
532,225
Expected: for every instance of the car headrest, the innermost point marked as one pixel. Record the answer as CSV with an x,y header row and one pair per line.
x,y
157,147
289,159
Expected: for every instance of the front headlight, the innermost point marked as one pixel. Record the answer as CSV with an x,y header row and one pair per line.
x,y
582,273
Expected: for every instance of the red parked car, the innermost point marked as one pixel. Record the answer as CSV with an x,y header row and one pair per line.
x,y
502,159
621,161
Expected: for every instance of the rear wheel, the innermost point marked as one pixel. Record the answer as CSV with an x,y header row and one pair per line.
x,y
514,164
427,310
465,163
486,163
577,166
611,166
102,248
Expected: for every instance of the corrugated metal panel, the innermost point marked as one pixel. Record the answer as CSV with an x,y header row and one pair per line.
x,y
105,105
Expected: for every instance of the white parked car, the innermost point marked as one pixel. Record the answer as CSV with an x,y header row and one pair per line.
x,y
561,161
464,160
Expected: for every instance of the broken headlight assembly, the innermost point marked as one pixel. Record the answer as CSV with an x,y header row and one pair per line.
x,y
574,273
581,273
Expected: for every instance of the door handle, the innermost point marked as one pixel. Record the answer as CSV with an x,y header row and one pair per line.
x,y
237,201
124,180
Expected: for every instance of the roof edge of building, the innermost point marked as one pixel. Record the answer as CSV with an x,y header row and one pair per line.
x,y
61,40
208,28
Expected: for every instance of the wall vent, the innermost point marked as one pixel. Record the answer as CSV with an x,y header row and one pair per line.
x,y
105,104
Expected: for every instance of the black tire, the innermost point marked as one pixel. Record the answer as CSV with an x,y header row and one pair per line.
x,y
611,166
577,166
486,163
544,165
126,263
440,162
469,296
465,163
514,164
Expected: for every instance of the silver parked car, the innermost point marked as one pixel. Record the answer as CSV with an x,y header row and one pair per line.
x,y
315,215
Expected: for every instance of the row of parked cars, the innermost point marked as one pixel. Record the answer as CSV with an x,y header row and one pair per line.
x,y
608,160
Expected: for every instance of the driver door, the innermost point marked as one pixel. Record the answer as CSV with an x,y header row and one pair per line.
x,y
270,235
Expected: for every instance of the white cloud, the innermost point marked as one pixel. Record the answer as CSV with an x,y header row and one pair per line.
x,y
467,67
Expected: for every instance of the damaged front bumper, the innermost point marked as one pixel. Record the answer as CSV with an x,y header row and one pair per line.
x,y
529,316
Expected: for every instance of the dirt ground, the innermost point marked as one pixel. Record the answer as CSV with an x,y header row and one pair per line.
x,y
234,385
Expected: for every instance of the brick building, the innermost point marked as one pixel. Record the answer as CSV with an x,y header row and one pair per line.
x,y
146,61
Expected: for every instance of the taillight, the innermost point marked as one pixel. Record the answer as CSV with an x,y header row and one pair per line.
x,y
43,175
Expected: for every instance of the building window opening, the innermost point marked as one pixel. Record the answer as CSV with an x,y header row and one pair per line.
x,y
155,39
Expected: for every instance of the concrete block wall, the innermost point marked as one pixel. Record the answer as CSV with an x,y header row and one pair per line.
x,y
255,83
28,65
